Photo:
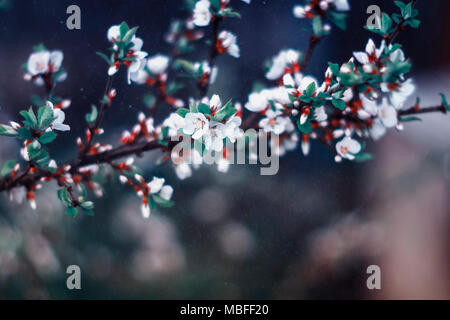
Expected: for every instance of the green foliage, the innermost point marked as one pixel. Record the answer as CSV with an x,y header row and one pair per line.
x,y
92,116
161,201
225,112
338,103
7,131
47,137
444,102
304,128
71,211
182,112
7,168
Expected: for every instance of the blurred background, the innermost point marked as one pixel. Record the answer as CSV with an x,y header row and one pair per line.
x,y
308,232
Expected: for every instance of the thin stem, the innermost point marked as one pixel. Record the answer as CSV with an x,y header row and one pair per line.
x,y
313,41
213,53
93,129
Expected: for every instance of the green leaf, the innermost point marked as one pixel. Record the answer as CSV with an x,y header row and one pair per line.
x,y
407,11
339,19
25,133
92,117
123,30
43,159
72,211
306,127
413,23
129,35
400,4
88,212
182,112
173,87
87,205
30,118
7,131
47,137
162,202
64,196
37,101
317,26
104,57
186,65
7,168
215,4
45,117
334,67
386,23
193,107
339,103
83,192
33,149
408,119
149,100
310,89
39,47
203,108
363,157
225,112
444,102
229,13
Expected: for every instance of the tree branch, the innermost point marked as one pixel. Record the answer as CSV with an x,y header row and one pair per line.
x,y
213,53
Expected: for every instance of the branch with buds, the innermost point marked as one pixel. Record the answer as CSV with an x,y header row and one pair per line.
x,y
360,99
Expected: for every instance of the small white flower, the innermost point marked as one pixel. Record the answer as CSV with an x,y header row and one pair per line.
x,y
206,72
202,16
158,64
223,165
174,122
43,62
214,137
166,192
145,209
17,195
137,64
183,171
38,62
215,103
377,130
371,54
341,5
58,123
113,33
285,60
273,122
231,128
399,92
320,114
347,148
387,115
257,101
227,42
155,185
195,125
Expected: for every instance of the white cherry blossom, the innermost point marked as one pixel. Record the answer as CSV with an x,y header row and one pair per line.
x,y
202,15
347,148
195,125
227,42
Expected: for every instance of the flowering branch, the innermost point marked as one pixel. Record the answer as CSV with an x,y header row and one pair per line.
x,y
359,99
